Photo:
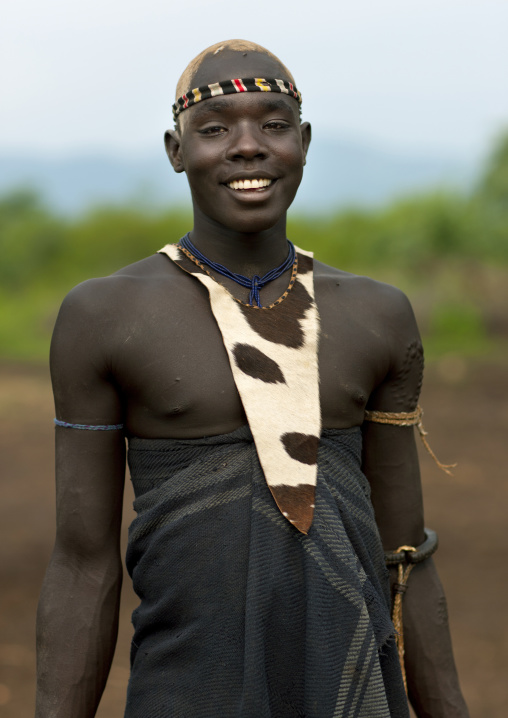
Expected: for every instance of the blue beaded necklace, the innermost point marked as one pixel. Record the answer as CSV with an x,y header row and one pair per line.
x,y
255,283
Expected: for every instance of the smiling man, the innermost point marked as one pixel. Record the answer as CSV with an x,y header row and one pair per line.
x,y
267,400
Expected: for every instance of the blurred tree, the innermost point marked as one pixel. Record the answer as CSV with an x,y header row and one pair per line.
x,y
18,203
30,238
493,185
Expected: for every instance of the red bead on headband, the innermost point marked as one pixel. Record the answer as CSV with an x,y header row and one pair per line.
x,y
230,87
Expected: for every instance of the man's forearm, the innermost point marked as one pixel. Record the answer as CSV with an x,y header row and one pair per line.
x,y
77,625
433,684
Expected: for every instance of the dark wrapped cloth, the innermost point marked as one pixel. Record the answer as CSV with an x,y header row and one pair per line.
x,y
242,616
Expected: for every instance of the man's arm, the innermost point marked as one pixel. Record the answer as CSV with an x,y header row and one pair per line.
x,y
390,462
79,604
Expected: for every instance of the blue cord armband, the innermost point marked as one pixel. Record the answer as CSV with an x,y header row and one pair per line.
x,y
88,427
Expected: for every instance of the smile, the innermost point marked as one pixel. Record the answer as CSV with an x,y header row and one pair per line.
x,y
243,184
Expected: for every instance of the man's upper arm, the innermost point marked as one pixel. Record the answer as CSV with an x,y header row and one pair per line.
x,y
90,465
390,459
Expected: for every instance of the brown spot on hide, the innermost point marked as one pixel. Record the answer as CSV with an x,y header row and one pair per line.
x,y
301,447
296,504
281,324
255,363
305,264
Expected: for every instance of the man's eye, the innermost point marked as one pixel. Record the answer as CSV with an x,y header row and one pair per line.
x,y
277,125
212,131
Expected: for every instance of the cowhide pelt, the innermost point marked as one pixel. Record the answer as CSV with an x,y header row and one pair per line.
x,y
273,357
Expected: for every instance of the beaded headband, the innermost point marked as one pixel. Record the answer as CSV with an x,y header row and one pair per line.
x,y
230,87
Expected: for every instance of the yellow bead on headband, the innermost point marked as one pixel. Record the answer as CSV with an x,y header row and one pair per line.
x,y
230,87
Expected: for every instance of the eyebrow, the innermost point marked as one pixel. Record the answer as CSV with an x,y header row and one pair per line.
x,y
210,106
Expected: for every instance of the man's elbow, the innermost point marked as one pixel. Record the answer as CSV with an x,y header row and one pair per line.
x,y
81,562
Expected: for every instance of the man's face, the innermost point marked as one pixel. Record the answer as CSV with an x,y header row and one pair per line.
x,y
228,143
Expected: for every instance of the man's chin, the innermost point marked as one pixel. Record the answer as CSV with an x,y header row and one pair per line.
x,y
246,219
252,223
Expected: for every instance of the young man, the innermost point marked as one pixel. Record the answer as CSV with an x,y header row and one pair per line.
x,y
255,552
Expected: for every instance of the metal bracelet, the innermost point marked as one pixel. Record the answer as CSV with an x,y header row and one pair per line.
x,y
412,554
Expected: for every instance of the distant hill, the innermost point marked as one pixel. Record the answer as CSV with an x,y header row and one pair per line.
x,y
337,173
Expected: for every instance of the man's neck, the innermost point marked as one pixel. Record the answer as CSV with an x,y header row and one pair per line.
x,y
246,253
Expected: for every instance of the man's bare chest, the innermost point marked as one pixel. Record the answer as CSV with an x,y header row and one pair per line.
x,y
174,376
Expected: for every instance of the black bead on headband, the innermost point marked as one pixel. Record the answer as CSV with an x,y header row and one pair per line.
x,y
230,87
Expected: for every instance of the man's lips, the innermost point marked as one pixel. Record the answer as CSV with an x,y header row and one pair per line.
x,y
249,184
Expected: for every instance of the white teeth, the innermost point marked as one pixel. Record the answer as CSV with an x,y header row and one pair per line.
x,y
250,184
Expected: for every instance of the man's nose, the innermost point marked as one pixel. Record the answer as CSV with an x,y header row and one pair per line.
x,y
247,142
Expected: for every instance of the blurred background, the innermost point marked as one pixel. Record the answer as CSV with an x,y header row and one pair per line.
x,y
406,181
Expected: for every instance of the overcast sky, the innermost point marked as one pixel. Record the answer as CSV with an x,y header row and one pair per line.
x,y
426,76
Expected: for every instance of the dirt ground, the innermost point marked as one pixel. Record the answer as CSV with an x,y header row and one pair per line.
x,y
466,414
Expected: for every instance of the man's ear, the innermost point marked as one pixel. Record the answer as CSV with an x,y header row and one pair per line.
x,y
305,129
172,143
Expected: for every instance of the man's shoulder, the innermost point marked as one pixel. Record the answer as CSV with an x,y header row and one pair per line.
x,y
102,313
154,267
110,294
377,295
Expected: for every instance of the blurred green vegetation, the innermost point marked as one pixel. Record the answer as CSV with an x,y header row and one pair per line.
x,y
447,251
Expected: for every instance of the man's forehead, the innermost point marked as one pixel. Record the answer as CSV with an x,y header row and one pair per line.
x,y
255,102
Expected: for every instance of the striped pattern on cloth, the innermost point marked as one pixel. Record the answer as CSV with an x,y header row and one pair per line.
x,y
231,87
241,615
